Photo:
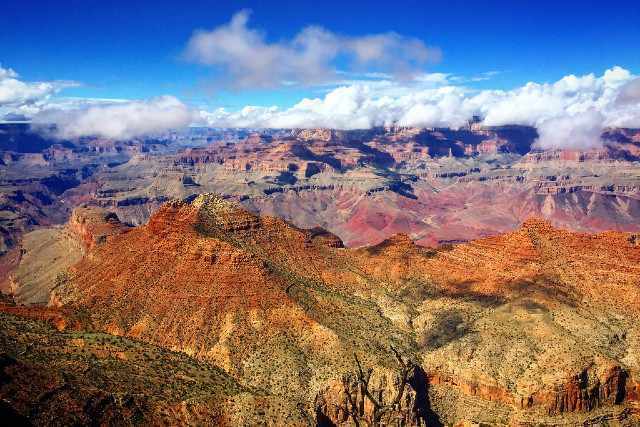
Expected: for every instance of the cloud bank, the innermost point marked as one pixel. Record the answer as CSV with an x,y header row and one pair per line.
x,y
248,60
119,120
571,112
20,97
575,131
629,93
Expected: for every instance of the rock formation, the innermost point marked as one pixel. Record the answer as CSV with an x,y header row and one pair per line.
x,y
539,324
321,247
362,185
45,254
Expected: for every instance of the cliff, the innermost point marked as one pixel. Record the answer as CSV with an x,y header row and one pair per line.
x,y
94,225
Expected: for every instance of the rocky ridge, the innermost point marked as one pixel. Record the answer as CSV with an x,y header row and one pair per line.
x,y
507,329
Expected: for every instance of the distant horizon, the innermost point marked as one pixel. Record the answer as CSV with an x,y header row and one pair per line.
x,y
122,70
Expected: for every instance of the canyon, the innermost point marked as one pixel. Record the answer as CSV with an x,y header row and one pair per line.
x,y
537,326
437,185
319,214
274,275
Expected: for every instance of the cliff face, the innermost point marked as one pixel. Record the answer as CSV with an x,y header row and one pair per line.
x,y
539,324
45,254
339,401
587,391
93,225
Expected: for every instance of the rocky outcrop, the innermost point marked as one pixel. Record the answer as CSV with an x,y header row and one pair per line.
x,y
583,392
94,225
319,134
504,329
320,236
46,254
216,213
586,391
332,403
570,155
473,388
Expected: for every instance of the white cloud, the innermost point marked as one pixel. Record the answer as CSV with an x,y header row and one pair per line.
x,y
22,99
13,91
534,102
573,131
629,93
249,61
576,108
569,113
17,93
117,120
7,73
355,107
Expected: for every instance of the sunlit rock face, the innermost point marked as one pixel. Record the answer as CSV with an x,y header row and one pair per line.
x,y
535,324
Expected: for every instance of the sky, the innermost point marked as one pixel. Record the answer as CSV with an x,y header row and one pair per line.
x,y
240,62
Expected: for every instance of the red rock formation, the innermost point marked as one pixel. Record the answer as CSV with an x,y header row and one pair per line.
x,y
498,321
471,388
569,155
94,225
586,391
488,147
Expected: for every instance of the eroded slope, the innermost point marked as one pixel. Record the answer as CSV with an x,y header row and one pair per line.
x,y
537,324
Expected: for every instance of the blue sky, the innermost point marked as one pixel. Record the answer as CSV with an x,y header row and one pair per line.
x,y
134,49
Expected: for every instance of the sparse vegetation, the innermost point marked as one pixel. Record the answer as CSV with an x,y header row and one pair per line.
x,y
357,389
